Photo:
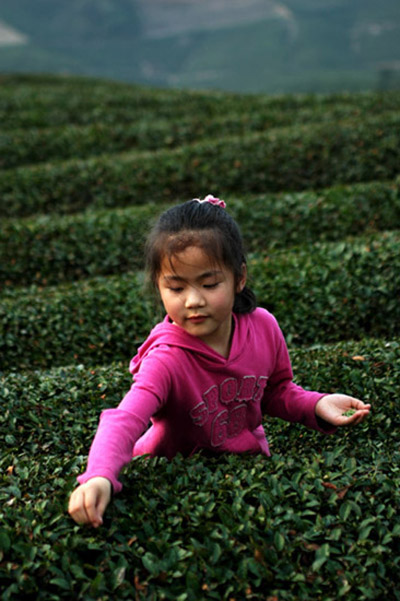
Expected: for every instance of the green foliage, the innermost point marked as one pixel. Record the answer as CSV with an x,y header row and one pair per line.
x,y
319,519
28,101
296,158
339,291
316,520
334,291
50,249
34,102
36,145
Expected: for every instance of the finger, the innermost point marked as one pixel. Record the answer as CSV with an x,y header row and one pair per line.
x,y
363,415
74,502
357,404
102,505
80,516
358,421
76,507
91,507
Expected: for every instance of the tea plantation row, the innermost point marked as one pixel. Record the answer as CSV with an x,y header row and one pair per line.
x,y
318,202
318,520
331,292
28,146
313,156
23,92
52,249
63,101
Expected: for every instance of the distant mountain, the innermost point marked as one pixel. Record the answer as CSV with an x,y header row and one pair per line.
x,y
244,45
11,37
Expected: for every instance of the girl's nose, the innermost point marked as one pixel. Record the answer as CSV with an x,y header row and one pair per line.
x,y
194,298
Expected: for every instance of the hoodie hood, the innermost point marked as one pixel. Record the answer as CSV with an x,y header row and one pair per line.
x,y
166,333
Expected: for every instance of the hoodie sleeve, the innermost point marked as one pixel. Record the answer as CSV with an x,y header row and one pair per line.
x,y
120,428
285,399
112,446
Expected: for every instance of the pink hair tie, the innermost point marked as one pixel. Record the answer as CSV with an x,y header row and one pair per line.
x,y
211,199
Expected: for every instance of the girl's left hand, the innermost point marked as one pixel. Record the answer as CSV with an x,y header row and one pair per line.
x,y
332,407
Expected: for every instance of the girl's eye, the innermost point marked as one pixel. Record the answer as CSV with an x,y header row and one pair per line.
x,y
211,285
176,289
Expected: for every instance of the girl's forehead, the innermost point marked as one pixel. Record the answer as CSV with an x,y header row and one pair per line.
x,y
192,258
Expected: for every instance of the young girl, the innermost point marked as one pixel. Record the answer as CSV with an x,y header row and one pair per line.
x,y
210,370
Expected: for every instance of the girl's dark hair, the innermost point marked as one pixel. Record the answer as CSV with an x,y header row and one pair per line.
x,y
207,226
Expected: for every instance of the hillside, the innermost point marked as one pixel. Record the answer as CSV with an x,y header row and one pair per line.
x,y
253,46
314,182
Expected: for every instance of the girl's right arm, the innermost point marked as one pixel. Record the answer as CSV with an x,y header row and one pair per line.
x,y
111,449
112,446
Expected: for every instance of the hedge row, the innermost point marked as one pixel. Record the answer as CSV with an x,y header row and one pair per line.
x,y
316,520
30,146
331,292
327,292
52,249
314,156
87,101
81,392
82,93
88,105
116,109
80,99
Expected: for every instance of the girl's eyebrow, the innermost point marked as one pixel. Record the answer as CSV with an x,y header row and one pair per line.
x,y
203,276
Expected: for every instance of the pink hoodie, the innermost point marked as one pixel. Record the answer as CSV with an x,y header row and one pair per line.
x,y
197,399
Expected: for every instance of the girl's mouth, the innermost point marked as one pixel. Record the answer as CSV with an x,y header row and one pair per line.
x,y
197,318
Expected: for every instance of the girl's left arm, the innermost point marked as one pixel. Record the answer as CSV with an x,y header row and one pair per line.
x,y
317,410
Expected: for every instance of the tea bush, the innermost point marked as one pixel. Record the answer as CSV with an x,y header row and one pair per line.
x,y
36,145
318,202
316,520
40,103
50,249
331,292
296,158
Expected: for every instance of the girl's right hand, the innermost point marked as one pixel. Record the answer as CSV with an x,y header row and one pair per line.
x,y
88,502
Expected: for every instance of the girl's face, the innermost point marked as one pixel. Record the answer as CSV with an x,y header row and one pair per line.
x,y
198,296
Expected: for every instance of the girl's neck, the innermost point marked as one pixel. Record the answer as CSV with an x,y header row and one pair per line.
x,y
221,345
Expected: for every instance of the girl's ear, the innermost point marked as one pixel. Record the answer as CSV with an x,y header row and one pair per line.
x,y
242,280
